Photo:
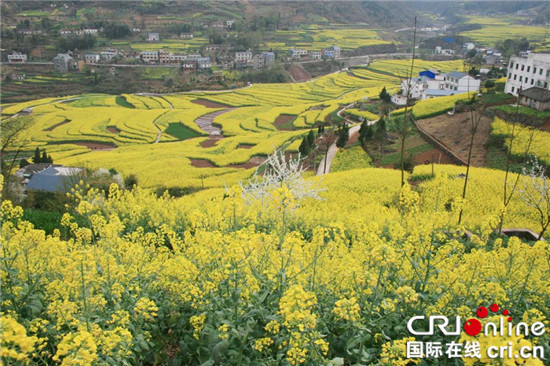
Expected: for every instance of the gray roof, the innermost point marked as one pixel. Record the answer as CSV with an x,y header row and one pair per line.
x,y
54,179
439,92
536,93
456,74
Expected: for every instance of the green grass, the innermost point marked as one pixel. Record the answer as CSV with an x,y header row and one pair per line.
x,y
121,101
44,220
180,131
525,111
353,157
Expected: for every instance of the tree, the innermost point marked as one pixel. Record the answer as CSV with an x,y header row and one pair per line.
x,y
36,158
343,136
115,30
304,147
405,114
385,96
476,113
534,191
311,139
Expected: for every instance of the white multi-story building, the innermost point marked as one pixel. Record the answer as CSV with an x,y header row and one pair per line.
x,y
526,72
297,53
17,57
149,56
460,82
243,56
91,58
109,54
315,55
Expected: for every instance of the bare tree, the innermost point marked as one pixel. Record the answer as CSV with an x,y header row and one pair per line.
x,y
476,114
514,130
14,140
407,100
534,191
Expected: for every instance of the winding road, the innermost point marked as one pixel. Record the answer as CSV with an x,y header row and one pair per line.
x,y
333,149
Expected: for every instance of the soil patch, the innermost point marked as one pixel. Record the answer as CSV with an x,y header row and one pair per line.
x,y
283,120
299,73
454,133
353,138
57,125
113,129
254,162
210,142
95,145
436,155
202,163
245,146
210,104
545,126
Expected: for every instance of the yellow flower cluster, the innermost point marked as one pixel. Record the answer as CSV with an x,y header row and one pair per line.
x,y
197,322
347,309
146,308
263,343
76,349
394,353
16,345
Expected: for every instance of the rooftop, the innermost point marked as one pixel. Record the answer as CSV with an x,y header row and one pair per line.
x,y
536,93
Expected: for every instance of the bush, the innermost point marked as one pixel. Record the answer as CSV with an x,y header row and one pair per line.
x,y
130,181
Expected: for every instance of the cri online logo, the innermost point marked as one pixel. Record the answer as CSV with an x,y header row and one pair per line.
x,y
473,326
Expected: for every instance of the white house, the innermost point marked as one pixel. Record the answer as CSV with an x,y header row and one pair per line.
x,y
203,63
17,57
149,56
109,54
526,72
153,37
91,58
296,53
315,55
469,46
460,82
243,56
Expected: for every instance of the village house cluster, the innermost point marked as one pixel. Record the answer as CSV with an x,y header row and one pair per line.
x,y
432,84
329,53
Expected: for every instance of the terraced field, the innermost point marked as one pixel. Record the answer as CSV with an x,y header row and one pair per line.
x,y
201,138
498,29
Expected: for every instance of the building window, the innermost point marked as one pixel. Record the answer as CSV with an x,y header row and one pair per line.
x,y
534,70
515,77
548,73
532,81
513,89
526,80
528,68
522,67
511,64
520,78
509,75
541,71
517,65
545,85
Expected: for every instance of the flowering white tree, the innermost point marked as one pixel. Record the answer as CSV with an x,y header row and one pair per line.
x,y
280,172
534,191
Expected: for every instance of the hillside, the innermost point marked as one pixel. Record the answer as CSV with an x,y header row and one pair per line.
x,y
220,277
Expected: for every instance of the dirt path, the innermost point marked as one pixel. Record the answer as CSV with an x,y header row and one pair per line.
x,y
333,149
159,133
206,122
453,132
